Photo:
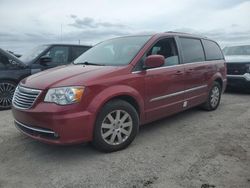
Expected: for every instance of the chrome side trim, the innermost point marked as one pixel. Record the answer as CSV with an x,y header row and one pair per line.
x,y
158,68
177,93
166,96
33,129
183,64
135,72
195,88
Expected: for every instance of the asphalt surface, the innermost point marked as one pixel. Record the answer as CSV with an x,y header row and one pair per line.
x,y
194,149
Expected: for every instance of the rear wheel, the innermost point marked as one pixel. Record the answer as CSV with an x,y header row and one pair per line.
x,y
7,89
214,97
116,126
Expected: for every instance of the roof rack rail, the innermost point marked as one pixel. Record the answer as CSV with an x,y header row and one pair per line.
x,y
176,32
185,33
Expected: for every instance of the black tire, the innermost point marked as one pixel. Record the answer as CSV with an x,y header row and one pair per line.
x,y
108,109
7,89
208,105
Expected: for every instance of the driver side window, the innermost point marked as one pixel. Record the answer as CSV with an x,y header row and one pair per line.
x,y
167,48
59,54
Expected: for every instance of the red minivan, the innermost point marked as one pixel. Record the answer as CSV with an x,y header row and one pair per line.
x,y
118,85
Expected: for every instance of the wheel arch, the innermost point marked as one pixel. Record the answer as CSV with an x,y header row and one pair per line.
x,y
220,81
216,78
125,93
131,100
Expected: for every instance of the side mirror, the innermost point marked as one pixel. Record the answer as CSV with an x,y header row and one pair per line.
x,y
154,61
45,59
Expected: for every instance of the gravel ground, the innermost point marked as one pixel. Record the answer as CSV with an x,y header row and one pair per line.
x,y
191,149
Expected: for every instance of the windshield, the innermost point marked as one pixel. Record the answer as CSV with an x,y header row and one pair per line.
x,y
118,51
29,56
237,50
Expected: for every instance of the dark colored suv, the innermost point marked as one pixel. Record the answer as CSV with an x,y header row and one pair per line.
x,y
118,85
13,69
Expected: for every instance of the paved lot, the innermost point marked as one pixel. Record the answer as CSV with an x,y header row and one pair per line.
x,y
192,149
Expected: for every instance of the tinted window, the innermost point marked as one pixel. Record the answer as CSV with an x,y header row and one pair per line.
x,y
59,54
76,51
166,48
212,50
192,50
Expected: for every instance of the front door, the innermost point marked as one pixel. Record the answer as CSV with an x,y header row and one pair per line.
x,y
164,85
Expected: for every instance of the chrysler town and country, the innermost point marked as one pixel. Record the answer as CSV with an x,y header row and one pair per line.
x,y
118,85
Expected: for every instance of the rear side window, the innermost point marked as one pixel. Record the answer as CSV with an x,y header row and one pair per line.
x,y
212,50
192,50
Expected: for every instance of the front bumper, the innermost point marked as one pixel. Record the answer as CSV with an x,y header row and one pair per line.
x,y
36,131
239,80
57,125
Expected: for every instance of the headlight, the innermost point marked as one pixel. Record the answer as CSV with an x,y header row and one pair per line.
x,y
64,95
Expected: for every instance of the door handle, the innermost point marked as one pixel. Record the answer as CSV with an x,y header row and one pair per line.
x,y
178,73
189,71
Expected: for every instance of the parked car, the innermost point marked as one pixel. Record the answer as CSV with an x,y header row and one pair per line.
x,y
12,69
238,66
118,85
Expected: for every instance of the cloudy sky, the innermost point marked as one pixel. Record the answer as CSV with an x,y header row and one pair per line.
x,y
27,23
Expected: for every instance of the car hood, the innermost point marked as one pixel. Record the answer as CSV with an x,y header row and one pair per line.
x,y
237,58
12,57
68,75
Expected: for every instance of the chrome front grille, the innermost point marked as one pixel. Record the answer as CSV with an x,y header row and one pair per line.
x,y
24,98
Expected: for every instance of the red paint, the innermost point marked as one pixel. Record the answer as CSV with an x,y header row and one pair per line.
x,y
153,61
74,123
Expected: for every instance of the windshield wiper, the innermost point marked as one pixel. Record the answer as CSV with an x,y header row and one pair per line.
x,y
88,63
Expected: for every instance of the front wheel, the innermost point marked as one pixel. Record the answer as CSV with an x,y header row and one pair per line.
x,y
214,97
116,126
7,89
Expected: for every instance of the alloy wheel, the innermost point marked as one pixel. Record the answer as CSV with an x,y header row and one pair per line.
x,y
116,127
6,93
215,97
